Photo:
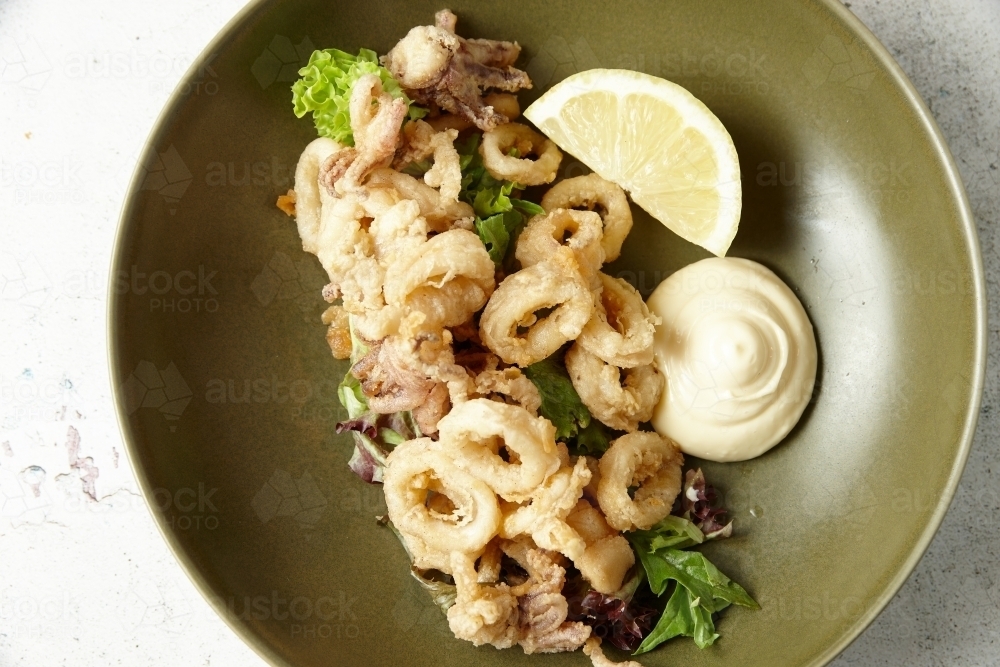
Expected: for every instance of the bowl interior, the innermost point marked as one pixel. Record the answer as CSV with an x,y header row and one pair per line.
x,y
227,390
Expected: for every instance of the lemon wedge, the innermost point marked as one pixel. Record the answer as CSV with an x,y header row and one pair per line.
x,y
657,141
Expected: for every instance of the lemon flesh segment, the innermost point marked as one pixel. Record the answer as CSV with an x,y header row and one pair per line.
x,y
656,140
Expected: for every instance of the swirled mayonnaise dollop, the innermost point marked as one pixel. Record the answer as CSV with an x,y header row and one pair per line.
x,y
739,357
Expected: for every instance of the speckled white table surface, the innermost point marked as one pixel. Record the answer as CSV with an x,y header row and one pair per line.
x,y
85,579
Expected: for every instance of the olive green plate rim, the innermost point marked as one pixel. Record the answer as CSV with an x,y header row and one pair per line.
x,y
266,651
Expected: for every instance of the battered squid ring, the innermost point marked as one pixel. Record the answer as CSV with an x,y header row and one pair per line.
x,y
555,284
544,517
622,328
590,192
450,277
648,460
416,467
308,203
497,143
474,431
580,231
620,405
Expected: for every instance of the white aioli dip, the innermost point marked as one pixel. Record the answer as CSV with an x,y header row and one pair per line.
x,y
739,357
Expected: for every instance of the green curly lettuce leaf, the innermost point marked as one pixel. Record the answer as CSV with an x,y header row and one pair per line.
x,y
496,232
325,90
499,217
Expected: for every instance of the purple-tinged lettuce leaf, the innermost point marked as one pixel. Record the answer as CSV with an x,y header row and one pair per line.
x,y
374,434
367,423
368,459
619,617
697,500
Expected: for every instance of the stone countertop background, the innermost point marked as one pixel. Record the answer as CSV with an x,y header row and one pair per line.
x,y
85,579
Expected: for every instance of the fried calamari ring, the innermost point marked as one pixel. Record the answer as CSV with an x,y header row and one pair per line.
x,y
308,203
593,192
447,279
498,143
620,405
544,517
580,231
647,460
431,308
424,557
555,284
474,431
621,330
347,252
417,467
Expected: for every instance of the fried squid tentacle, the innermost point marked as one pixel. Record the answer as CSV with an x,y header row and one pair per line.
x,y
437,67
376,118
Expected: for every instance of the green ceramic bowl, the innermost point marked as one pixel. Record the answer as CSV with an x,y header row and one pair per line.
x,y
226,387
